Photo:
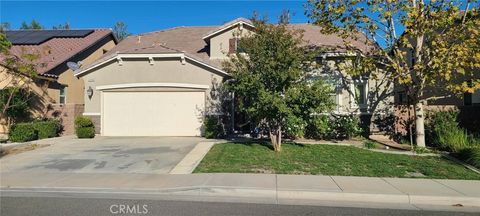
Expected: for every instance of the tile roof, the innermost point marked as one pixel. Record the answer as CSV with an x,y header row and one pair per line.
x,y
189,40
226,25
56,51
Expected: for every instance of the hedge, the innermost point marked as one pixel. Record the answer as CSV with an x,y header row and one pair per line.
x,y
22,132
47,129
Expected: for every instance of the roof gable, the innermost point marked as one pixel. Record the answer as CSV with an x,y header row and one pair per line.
x,y
228,25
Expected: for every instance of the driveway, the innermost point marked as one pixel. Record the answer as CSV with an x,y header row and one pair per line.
x,y
151,155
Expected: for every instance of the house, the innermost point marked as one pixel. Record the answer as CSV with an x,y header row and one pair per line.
x,y
163,83
59,93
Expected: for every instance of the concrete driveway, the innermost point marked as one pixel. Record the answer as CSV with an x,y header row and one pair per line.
x,y
152,155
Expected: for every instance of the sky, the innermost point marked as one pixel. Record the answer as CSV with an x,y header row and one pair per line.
x,y
143,16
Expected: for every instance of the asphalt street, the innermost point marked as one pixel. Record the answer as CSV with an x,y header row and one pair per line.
x,y
51,206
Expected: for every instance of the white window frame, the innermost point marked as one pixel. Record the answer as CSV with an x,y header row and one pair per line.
x,y
353,101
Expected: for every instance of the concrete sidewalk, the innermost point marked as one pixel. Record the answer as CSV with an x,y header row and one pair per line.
x,y
260,188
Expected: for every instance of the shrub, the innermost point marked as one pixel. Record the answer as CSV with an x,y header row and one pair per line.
x,y
420,150
213,127
453,139
318,128
295,127
84,127
82,121
22,132
345,127
439,123
85,132
47,128
369,144
471,155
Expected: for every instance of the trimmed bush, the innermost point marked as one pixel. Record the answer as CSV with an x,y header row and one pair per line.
x,y
23,132
82,121
369,144
85,132
47,128
213,127
84,127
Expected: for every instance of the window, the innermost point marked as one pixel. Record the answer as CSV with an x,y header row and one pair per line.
x,y
359,90
234,46
402,98
360,93
62,97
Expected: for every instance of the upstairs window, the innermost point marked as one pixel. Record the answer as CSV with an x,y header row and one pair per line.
x,y
233,46
62,96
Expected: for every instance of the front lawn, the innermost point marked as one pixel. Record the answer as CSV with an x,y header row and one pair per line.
x,y
326,160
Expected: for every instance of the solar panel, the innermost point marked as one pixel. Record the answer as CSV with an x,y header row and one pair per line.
x,y
35,37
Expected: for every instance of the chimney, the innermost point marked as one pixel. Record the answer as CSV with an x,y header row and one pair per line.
x,y
139,37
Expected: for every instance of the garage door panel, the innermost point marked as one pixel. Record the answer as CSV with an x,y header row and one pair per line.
x,y
152,113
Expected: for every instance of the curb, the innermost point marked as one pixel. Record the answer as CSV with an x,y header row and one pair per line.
x,y
260,195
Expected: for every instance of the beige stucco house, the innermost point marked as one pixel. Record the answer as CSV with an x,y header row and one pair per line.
x,y
163,83
58,93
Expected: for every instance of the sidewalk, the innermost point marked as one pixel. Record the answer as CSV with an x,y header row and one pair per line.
x,y
261,188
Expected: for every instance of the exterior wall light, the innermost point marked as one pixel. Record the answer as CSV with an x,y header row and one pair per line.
x,y
89,92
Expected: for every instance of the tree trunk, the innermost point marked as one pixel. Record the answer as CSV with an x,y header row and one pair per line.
x,y
276,139
419,124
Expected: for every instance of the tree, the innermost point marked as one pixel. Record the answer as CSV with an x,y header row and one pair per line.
x,y
4,26
120,31
65,26
17,75
442,40
33,25
284,17
269,79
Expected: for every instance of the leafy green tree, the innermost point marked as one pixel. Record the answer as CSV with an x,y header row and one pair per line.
x,y
438,46
33,25
65,26
18,74
120,30
269,79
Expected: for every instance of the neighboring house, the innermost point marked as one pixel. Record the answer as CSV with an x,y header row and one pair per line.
x,y
163,83
60,93
438,98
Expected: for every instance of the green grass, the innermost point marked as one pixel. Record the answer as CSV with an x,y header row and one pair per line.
x,y
326,160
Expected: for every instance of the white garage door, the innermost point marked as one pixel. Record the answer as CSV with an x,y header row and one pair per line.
x,y
152,113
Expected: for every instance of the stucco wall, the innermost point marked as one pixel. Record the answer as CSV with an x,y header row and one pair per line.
x,y
49,95
40,98
345,100
75,86
219,44
140,71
